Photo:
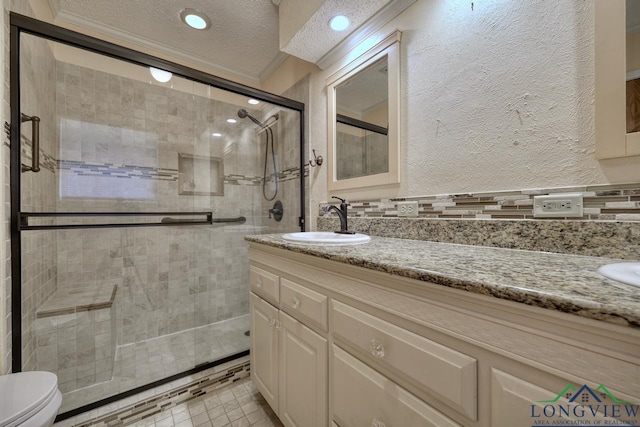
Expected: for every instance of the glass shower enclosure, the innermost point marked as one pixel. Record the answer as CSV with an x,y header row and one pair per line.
x,y
130,200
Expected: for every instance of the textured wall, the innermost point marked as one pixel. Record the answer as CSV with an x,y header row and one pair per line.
x,y
495,98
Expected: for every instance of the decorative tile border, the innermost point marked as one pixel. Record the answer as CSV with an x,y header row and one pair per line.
x,y
152,406
619,202
145,172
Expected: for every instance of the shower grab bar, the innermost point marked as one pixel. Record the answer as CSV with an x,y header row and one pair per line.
x,y
238,220
24,219
35,143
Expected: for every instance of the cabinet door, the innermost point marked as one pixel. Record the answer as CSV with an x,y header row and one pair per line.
x,y
517,402
264,349
303,375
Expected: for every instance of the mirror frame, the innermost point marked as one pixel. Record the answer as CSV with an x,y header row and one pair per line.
x,y
389,47
612,139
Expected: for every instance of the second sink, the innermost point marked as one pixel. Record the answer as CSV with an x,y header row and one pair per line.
x,y
625,272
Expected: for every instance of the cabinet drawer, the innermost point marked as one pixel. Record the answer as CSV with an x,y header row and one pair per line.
x,y
363,397
300,301
265,284
442,372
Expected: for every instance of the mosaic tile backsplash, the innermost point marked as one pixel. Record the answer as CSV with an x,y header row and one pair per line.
x,y
609,228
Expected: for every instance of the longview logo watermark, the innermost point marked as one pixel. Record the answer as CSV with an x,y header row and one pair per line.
x,y
585,406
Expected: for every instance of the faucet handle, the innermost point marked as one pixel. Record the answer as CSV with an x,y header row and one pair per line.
x,y
341,200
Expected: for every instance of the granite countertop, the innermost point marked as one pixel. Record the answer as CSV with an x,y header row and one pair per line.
x,y
566,283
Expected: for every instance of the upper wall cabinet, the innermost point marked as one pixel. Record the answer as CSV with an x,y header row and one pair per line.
x,y
364,117
617,43
305,31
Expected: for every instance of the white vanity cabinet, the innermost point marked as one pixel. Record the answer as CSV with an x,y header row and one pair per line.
x,y
288,359
343,346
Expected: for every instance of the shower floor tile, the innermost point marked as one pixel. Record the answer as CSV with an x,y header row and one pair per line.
x,y
141,363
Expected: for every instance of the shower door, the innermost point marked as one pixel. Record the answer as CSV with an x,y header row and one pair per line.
x,y
131,198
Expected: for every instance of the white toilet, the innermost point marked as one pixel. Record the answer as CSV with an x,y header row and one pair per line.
x,y
29,399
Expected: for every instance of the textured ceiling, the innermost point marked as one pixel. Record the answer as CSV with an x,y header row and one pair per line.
x,y
314,39
243,38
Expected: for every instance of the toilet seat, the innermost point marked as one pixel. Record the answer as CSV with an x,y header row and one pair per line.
x,y
25,394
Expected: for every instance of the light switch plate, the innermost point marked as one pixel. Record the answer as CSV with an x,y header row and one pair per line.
x,y
558,206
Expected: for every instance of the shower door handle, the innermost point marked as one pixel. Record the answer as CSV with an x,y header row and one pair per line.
x,y
35,143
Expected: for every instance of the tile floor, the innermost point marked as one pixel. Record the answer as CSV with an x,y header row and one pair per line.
x,y
147,361
238,405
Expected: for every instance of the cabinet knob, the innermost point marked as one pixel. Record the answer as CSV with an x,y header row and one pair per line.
x,y
272,322
377,423
377,349
295,302
259,283
278,324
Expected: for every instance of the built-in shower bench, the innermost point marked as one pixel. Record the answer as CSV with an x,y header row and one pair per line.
x,y
71,300
76,335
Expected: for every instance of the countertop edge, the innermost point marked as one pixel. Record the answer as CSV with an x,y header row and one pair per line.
x,y
532,297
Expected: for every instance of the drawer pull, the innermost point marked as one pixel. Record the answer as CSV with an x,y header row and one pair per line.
x,y
377,350
278,324
259,283
377,423
272,322
295,302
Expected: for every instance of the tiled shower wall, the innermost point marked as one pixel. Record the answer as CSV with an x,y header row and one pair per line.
x,y
287,150
137,131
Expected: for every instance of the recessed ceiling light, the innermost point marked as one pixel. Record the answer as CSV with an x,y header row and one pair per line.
x,y
160,75
232,121
195,19
254,102
339,23
216,134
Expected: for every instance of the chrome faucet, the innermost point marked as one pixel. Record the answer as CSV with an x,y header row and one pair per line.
x,y
342,214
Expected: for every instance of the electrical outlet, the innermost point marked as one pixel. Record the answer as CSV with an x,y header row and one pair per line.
x,y
407,208
558,205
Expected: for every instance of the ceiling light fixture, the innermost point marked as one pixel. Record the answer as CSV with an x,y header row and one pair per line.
x,y
216,134
195,19
339,23
254,102
160,75
232,121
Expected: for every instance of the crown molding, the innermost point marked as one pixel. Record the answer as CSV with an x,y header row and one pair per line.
x,y
271,67
384,16
128,37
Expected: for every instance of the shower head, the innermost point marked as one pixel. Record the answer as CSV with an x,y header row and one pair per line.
x,y
242,113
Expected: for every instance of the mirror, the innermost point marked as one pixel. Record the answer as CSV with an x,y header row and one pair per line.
x,y
617,100
363,100
362,117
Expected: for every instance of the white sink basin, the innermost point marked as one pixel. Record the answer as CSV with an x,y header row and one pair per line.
x,y
625,272
327,238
